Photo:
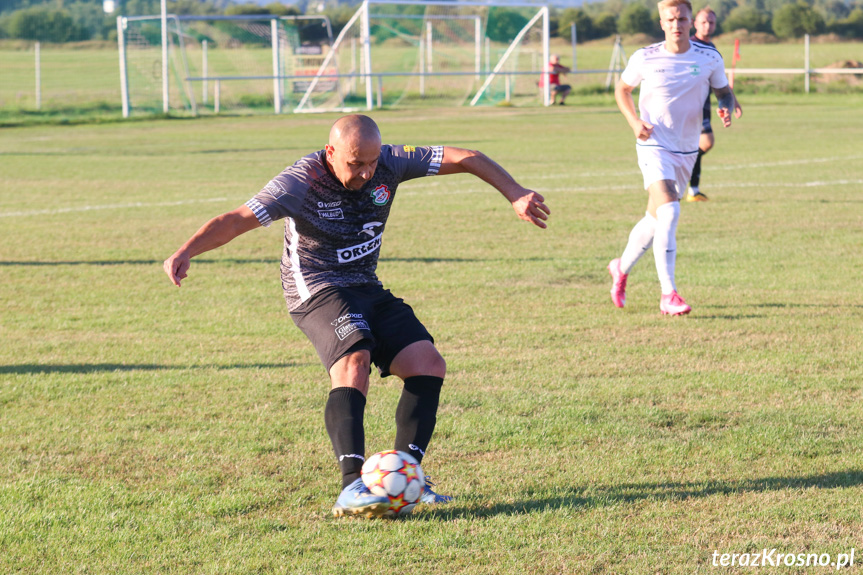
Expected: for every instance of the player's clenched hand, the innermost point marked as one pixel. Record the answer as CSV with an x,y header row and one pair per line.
x,y
725,116
531,208
642,130
176,267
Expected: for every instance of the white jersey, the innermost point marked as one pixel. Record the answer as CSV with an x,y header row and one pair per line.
x,y
673,88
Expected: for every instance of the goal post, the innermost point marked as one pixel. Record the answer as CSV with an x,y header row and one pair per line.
x,y
409,52
238,63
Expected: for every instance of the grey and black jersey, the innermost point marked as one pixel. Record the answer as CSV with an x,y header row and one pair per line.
x,y
333,235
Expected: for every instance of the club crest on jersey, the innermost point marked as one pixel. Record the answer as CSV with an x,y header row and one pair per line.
x,y
381,195
694,70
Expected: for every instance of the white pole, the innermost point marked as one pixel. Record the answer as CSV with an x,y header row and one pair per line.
x,y
546,55
367,53
422,68
429,47
38,76
477,32
217,96
487,54
574,36
380,91
165,92
806,55
124,74
204,87
354,65
277,89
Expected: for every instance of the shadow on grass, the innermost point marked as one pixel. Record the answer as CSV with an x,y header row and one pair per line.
x,y
137,262
32,368
213,261
595,497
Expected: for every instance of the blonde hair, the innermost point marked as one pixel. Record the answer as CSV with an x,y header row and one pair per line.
x,y
672,3
706,10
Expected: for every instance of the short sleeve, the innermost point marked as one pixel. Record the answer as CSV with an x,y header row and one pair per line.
x,y
718,79
283,195
632,74
410,162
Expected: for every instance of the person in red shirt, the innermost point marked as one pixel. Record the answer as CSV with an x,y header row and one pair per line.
x,y
555,69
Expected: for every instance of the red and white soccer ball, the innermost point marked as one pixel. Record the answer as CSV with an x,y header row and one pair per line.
x,y
397,475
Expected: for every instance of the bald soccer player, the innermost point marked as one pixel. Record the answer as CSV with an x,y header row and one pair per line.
x,y
335,203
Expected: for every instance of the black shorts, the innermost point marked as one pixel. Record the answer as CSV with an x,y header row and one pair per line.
x,y
706,128
342,320
557,88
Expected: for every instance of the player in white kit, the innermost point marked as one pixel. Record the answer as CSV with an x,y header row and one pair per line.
x,y
675,77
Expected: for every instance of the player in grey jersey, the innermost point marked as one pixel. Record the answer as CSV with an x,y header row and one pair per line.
x,y
335,203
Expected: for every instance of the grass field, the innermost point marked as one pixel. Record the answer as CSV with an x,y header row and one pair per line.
x,y
146,429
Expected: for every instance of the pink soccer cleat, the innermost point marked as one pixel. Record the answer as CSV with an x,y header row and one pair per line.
x,y
618,289
673,304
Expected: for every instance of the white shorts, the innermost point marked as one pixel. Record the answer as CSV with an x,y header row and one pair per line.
x,y
659,164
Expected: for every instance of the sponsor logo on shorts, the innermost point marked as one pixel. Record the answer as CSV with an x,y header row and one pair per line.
x,y
347,329
348,323
381,195
335,214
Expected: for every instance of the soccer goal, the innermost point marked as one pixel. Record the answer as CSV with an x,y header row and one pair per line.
x,y
411,53
220,63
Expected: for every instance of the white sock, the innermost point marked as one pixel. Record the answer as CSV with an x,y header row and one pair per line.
x,y
640,240
665,244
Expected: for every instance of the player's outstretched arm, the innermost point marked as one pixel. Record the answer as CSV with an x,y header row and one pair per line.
x,y
528,205
217,232
623,97
725,101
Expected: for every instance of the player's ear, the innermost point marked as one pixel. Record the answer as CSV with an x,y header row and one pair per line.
x,y
330,151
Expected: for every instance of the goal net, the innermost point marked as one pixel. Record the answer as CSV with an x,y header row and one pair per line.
x,y
402,53
221,63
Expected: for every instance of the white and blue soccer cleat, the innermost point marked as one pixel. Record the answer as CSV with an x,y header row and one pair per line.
x,y
356,499
429,497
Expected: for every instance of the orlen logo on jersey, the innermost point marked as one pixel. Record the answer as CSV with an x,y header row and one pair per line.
x,y
359,251
381,195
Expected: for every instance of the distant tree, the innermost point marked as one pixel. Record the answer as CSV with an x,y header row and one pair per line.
x,y
246,10
190,7
584,28
505,25
833,10
747,18
850,27
795,20
605,24
91,20
279,9
637,19
45,25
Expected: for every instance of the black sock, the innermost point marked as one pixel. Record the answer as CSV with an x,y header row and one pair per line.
x,y
695,178
416,414
344,419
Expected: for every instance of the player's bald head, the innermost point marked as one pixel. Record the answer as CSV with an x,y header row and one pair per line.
x,y
355,130
354,149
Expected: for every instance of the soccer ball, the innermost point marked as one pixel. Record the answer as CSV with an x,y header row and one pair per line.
x,y
397,475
